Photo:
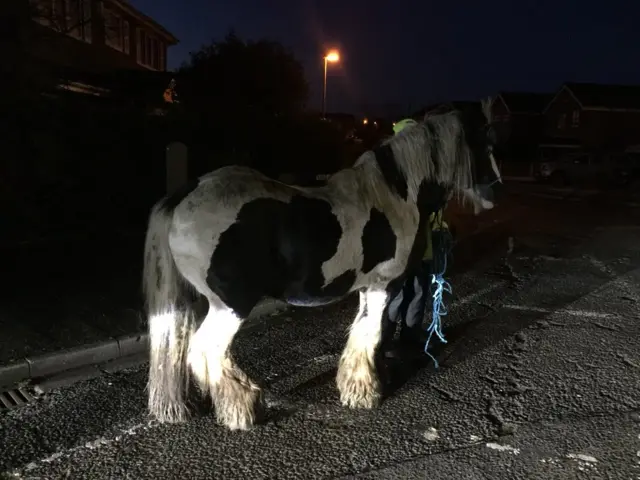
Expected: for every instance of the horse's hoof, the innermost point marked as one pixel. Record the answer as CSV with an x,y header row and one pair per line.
x,y
165,411
360,395
240,407
359,389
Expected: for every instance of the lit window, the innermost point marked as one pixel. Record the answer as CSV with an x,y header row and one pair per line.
x,y
575,119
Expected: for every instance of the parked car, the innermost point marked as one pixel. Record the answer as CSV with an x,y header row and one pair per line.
x,y
588,168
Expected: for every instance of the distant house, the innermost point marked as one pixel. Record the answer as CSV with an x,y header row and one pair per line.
x,y
97,35
593,117
519,123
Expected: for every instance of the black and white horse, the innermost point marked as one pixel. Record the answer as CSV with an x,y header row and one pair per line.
x,y
236,236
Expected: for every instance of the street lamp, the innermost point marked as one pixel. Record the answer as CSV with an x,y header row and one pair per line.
x,y
332,57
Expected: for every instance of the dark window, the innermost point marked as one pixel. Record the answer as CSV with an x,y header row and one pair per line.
x,y
150,50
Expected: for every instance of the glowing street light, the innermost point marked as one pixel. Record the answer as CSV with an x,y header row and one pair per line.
x,y
332,57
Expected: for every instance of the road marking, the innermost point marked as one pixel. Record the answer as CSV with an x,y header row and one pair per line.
x,y
93,445
476,295
582,457
503,448
575,313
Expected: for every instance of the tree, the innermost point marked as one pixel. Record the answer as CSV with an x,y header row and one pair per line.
x,y
241,94
250,77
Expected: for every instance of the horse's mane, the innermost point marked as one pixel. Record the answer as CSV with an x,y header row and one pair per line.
x,y
434,150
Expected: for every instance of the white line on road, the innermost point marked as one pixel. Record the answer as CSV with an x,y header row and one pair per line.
x,y
476,295
576,313
93,445
503,448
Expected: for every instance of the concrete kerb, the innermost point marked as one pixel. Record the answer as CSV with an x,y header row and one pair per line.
x,y
97,353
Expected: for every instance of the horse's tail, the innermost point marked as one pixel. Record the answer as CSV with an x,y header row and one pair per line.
x,y
171,320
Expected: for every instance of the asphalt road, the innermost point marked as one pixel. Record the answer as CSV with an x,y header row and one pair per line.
x,y
540,379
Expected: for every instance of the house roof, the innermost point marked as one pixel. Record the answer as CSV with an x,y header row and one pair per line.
x,y
125,6
594,95
525,102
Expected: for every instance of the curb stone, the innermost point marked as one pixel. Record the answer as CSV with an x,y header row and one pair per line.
x,y
51,363
14,373
55,363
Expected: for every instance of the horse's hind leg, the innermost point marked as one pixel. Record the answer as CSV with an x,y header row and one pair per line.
x,y
358,379
236,398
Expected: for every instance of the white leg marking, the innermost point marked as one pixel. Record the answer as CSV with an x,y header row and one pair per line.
x,y
357,378
236,398
169,337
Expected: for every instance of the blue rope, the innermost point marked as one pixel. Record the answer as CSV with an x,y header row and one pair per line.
x,y
439,310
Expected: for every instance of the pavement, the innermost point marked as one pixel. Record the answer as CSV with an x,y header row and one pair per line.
x,y
68,292
540,379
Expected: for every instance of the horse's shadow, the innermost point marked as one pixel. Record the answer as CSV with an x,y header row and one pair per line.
x,y
398,371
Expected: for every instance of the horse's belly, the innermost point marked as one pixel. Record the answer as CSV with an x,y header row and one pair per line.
x,y
311,301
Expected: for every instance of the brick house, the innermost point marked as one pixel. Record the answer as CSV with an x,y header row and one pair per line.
x,y
593,117
519,123
97,36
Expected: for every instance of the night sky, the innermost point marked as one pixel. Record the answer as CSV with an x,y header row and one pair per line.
x,y
402,57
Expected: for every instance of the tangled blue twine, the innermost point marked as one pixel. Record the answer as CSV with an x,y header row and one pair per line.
x,y
439,309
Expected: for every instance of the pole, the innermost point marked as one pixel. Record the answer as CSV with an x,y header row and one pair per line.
x,y
324,90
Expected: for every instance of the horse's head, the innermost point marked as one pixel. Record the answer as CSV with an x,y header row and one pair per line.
x,y
480,137
465,141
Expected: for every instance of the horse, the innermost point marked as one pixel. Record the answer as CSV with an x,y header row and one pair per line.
x,y
235,236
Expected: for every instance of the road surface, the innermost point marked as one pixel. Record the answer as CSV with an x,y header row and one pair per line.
x,y
540,379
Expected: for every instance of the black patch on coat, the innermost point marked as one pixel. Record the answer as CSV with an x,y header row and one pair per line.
x,y
378,241
277,249
391,172
435,152
431,198
171,201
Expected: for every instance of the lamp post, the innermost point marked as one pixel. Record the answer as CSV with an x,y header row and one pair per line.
x,y
332,57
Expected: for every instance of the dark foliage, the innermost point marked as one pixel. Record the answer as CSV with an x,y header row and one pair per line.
x,y
243,103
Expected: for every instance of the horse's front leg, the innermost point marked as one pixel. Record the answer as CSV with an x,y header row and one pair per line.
x,y
358,380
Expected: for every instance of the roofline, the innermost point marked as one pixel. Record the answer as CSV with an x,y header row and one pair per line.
x,y
504,102
150,22
522,112
564,87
